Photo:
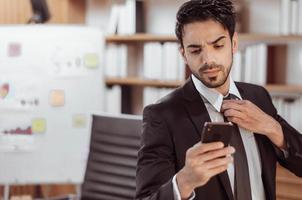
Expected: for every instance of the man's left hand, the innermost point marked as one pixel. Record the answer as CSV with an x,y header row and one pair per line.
x,y
248,116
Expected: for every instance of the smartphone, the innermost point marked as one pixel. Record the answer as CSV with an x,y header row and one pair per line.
x,y
217,131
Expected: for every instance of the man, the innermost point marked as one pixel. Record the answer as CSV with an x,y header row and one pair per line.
x,y
173,163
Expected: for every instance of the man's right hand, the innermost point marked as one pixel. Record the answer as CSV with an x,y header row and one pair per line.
x,y
203,161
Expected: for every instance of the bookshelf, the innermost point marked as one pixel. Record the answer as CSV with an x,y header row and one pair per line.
x,y
274,85
255,28
244,38
278,44
140,38
133,81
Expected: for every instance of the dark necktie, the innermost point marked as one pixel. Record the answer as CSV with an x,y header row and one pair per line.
x,y
242,187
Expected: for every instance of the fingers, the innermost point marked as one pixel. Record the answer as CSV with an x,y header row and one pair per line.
x,y
234,113
217,154
237,121
214,171
204,161
201,148
219,162
233,104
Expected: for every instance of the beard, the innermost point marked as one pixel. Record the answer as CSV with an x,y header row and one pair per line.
x,y
216,81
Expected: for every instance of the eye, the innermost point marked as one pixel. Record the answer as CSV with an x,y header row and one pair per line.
x,y
216,46
197,51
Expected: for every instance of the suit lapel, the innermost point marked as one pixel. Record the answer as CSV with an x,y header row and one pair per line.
x,y
199,115
195,107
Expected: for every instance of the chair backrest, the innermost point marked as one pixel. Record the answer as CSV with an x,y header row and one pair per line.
x,y
111,167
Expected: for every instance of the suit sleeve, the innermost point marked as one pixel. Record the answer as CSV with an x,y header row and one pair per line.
x,y
156,159
293,160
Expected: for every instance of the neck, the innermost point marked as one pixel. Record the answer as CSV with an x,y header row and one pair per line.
x,y
224,89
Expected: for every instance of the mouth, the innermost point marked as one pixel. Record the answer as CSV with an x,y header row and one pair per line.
x,y
211,72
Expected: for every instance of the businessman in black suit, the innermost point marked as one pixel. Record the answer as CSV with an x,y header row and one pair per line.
x,y
173,164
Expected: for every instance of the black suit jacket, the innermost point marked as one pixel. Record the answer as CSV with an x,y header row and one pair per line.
x,y
174,124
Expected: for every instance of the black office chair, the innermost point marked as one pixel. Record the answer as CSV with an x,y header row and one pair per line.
x,y
111,167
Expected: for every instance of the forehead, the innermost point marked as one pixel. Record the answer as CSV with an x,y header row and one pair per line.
x,y
202,32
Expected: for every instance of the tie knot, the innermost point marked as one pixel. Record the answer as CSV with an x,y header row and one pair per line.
x,y
230,96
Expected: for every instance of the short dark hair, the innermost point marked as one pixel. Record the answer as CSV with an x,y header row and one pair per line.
x,y
221,11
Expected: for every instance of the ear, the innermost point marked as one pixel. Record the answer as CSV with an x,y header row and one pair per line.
x,y
235,43
182,52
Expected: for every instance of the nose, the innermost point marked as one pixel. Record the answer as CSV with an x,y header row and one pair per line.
x,y
207,56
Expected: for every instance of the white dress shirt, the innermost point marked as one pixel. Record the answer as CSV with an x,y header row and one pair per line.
x,y
213,101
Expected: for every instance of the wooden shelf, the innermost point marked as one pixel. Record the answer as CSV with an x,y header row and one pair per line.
x,y
289,180
142,82
288,186
132,81
140,38
288,196
290,89
244,39
62,11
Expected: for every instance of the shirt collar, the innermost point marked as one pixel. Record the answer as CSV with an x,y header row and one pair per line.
x,y
211,95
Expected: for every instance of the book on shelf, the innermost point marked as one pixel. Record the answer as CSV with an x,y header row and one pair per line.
x,y
251,64
259,73
153,61
111,61
285,7
170,61
290,17
126,18
163,61
113,98
123,56
115,66
113,19
289,108
237,67
135,16
294,10
116,60
152,95
299,17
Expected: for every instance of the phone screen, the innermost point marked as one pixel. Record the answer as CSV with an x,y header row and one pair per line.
x,y
217,131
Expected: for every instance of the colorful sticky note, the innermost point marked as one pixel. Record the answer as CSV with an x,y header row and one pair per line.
x,y
4,89
38,125
79,121
91,60
14,49
57,98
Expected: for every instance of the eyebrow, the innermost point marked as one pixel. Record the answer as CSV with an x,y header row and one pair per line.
x,y
213,42
218,39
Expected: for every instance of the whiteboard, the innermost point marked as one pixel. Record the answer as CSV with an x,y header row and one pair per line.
x,y
51,80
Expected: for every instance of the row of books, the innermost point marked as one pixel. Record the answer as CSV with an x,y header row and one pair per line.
x,y
289,108
113,97
126,18
157,61
117,60
152,95
250,65
163,62
113,100
290,17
